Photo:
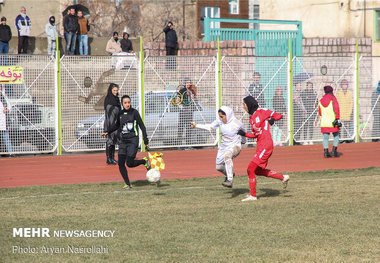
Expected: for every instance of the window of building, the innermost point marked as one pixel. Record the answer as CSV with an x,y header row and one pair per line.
x,y
377,25
213,12
256,14
234,7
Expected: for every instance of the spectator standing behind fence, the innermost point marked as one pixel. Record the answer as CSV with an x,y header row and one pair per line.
x,y
71,28
112,108
23,25
185,116
299,114
346,104
376,113
171,42
113,45
5,108
329,111
84,27
310,101
255,89
5,36
51,32
280,107
126,44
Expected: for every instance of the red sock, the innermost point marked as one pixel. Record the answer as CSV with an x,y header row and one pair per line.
x,y
252,178
268,173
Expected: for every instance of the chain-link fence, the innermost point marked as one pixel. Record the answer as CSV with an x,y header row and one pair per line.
x,y
264,78
178,91
27,107
369,98
310,75
84,85
29,98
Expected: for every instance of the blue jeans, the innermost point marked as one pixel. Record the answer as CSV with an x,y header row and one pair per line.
x,y
4,48
83,42
7,140
71,39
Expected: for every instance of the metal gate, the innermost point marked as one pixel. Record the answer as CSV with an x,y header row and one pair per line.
x,y
84,84
168,124
28,104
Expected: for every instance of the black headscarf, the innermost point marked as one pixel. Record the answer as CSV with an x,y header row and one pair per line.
x,y
110,98
252,104
52,20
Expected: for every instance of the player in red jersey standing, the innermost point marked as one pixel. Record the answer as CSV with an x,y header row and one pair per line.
x,y
260,120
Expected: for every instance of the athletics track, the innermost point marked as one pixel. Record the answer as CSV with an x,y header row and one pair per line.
x,y
91,168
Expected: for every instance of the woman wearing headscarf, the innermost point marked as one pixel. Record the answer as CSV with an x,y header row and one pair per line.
x,y
260,120
230,145
51,32
330,120
112,108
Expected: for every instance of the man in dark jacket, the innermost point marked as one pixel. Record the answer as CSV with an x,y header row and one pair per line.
x,y
71,27
171,43
5,36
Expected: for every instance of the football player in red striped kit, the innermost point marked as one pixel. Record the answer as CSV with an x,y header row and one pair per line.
x,y
260,120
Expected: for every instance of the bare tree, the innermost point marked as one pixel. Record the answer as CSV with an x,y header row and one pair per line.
x,y
145,18
108,16
155,16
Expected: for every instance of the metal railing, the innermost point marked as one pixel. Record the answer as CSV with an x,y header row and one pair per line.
x,y
267,42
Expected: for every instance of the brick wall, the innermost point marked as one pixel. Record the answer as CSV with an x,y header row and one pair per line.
x,y
201,48
330,47
336,47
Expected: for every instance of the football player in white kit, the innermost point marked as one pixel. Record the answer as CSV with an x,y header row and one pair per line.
x,y
230,146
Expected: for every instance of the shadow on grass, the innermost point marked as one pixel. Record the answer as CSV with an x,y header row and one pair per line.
x,y
238,191
145,182
269,192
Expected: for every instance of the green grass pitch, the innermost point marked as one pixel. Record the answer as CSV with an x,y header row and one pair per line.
x,y
329,216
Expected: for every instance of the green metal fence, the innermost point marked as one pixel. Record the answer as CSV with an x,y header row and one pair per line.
x,y
267,42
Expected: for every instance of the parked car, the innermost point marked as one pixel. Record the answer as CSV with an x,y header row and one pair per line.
x,y
30,122
161,121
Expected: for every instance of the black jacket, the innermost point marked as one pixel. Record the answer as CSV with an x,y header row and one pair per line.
x,y
309,99
126,45
128,124
5,33
70,24
256,91
170,37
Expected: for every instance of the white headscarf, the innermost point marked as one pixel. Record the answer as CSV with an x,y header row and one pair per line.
x,y
229,113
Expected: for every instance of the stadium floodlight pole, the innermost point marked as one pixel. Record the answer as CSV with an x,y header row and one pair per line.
x,y
290,93
142,92
58,115
356,119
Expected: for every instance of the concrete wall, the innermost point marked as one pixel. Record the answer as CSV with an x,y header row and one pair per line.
x,y
38,45
325,18
38,11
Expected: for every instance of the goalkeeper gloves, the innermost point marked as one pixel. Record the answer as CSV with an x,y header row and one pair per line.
x,y
241,133
271,121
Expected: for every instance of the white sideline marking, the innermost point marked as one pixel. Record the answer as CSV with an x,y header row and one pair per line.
x,y
180,188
